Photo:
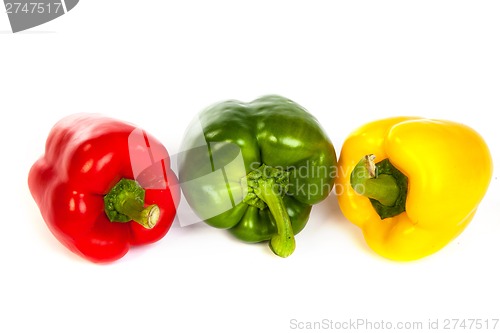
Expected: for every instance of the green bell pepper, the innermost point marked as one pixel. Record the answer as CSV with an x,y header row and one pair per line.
x,y
256,169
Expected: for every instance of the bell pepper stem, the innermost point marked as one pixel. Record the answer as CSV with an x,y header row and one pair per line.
x,y
365,181
383,184
283,242
125,202
147,217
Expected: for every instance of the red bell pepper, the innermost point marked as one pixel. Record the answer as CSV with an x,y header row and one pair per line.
x,y
97,177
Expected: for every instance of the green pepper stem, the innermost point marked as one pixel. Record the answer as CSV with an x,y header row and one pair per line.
x,y
283,242
125,202
365,181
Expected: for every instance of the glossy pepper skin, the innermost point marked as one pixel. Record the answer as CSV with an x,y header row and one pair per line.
x,y
257,169
86,158
448,168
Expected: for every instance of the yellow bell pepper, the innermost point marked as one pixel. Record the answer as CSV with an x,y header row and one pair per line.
x,y
411,184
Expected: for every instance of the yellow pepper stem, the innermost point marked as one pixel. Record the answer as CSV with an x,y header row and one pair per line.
x,y
382,183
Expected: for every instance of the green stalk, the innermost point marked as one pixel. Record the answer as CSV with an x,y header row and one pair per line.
x,y
125,202
266,188
382,183
283,242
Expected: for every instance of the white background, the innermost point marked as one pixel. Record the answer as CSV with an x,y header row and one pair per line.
x,y
157,64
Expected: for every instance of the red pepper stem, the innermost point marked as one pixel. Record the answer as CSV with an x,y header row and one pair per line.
x,y
283,242
125,202
147,217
